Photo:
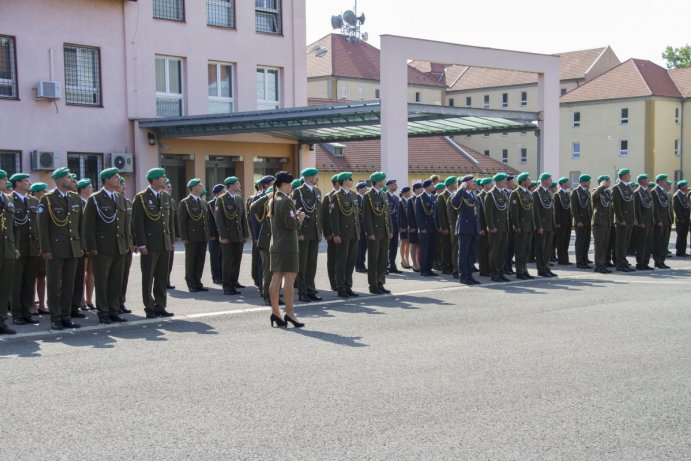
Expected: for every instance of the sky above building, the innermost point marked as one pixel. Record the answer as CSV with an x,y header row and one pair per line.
x,y
633,30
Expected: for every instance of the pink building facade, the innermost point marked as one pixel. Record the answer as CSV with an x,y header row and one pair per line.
x,y
118,61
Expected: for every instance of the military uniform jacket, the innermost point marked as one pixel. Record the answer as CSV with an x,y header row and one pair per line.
x,y
624,206
521,210
152,220
343,215
426,213
60,224
393,211
543,209
581,206
174,219
260,211
324,214
129,231
562,208
8,231
681,207
452,212
284,224
602,207
105,227
376,214
412,222
210,209
467,208
26,222
497,210
663,210
310,202
193,219
481,200
443,212
644,207
231,219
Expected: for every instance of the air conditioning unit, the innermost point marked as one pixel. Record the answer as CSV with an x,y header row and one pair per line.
x,y
42,161
122,162
48,90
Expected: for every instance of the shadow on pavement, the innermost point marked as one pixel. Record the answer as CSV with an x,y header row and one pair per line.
x,y
349,341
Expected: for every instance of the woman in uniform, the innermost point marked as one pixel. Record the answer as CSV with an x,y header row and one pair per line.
x,y
38,190
283,251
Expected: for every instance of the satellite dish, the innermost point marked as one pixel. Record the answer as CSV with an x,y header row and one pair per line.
x,y
336,22
362,18
349,17
365,36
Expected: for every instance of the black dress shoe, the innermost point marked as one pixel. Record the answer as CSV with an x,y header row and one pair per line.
x,y
162,312
194,290
682,255
395,271
56,326
552,274
70,324
504,279
314,297
623,269
343,294
475,269
170,287
496,279
375,291
117,318
5,330
384,290
475,282
351,293
237,285
521,277
416,270
567,263
588,261
124,310
304,299
218,282
105,320
231,292
77,315
528,276
466,282
648,268
509,272
426,274
19,321
543,274
609,264
203,289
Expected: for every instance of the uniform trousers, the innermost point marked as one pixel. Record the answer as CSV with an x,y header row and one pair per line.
x,y
428,250
393,250
155,275
643,244
26,268
232,257
7,271
308,251
543,250
216,260
467,252
682,235
331,262
602,239
377,255
522,245
562,238
345,255
266,272
195,258
78,291
108,272
361,251
60,274
483,255
661,244
126,265
621,244
582,244
498,243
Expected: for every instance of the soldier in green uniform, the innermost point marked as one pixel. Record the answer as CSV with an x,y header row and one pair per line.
x,y
543,216
260,210
681,216
645,221
61,243
663,221
483,240
193,221
308,197
343,221
83,284
285,221
28,263
378,229
563,221
105,236
168,187
521,213
497,218
624,219
446,243
129,235
231,221
602,223
152,222
326,230
451,217
582,212
8,252
256,254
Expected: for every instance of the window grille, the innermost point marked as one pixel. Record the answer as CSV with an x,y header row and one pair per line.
x,y
82,76
169,9
8,68
268,16
220,13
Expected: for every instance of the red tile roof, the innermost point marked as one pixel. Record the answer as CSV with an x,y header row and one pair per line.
x,y
425,155
358,60
682,79
631,79
575,64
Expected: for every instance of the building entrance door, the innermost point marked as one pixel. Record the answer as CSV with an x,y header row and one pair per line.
x,y
218,168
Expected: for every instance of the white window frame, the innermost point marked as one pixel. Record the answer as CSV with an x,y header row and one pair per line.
x,y
524,98
262,7
161,95
624,120
344,92
218,99
623,152
576,150
469,101
524,155
576,123
361,93
505,156
264,104
12,82
504,100
486,101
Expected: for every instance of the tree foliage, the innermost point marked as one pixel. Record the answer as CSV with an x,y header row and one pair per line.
x,y
678,58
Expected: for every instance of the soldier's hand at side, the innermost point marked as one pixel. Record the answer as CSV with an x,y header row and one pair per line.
x,y
579,224
225,241
371,237
301,238
337,240
144,252
390,236
540,231
493,230
482,233
93,252
48,256
423,231
518,231
185,242
558,226
17,255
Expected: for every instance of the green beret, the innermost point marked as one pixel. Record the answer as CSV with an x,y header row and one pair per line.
x,y
533,183
683,182
584,178
499,177
296,183
309,172
155,173
439,186
345,176
624,171
486,181
82,183
38,187
108,173
641,177
523,176
270,189
660,177
167,182
563,180
73,176
553,185
651,185
450,180
3,174
257,182
122,180
478,181
603,177
230,180
545,175
18,176
334,178
57,174
193,182
377,176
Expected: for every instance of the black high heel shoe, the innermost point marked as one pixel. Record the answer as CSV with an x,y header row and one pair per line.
x,y
295,323
277,320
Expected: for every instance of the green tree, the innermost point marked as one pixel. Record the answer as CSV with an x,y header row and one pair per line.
x,y
678,58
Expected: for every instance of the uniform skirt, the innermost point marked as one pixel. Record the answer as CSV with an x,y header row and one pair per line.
x,y
413,237
284,262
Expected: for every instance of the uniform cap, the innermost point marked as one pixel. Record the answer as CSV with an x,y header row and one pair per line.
x,y
683,182
217,188
553,185
563,180
509,177
307,172
377,176
57,174
523,176
193,182
361,185
38,187
584,178
405,189
155,173
230,180
18,177
167,181
450,180
623,171
533,183
426,183
641,177
345,175
73,176
545,176
334,178
466,178
660,177
267,179
439,186
603,177
82,183
390,181
108,173
296,183
499,177
122,180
